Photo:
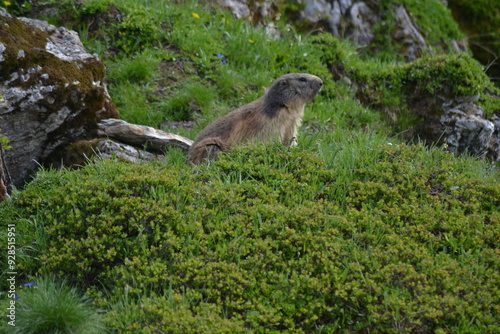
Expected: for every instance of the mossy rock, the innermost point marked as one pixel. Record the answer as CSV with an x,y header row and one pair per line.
x,y
53,85
409,92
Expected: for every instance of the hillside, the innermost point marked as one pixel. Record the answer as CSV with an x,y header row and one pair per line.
x,y
364,227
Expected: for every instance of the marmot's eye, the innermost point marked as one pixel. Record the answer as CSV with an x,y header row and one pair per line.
x,y
303,79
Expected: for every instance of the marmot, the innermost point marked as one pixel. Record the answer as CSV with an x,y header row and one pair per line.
x,y
275,116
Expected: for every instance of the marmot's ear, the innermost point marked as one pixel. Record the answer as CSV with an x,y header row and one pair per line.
x,y
284,83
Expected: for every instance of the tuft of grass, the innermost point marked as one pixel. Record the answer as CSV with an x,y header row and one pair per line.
x,y
53,307
141,68
193,97
133,104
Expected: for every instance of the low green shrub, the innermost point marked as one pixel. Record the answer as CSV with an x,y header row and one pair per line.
x,y
172,313
262,240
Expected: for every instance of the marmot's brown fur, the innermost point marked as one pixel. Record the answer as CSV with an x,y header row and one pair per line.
x,y
275,116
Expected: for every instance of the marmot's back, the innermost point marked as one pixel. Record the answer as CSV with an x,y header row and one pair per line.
x,y
275,116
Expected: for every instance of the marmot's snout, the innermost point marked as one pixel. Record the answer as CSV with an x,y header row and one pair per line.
x,y
307,84
316,84
320,83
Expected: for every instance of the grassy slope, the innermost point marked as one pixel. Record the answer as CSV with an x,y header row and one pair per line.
x,y
351,231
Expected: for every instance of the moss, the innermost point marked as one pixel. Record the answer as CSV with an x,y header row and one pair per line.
x,y
448,75
330,50
4,141
16,37
434,20
421,85
490,100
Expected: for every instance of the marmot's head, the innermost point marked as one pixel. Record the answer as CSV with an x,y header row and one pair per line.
x,y
292,90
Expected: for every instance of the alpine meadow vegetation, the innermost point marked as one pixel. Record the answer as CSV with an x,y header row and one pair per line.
x,y
353,231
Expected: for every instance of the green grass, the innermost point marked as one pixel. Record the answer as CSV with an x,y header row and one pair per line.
x,y
352,231
53,307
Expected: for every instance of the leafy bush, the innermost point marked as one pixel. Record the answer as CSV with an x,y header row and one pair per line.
x,y
261,240
138,30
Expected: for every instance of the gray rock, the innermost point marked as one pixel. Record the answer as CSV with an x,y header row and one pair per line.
x,y
355,20
260,12
461,125
82,152
408,36
494,145
467,134
109,148
316,10
52,92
